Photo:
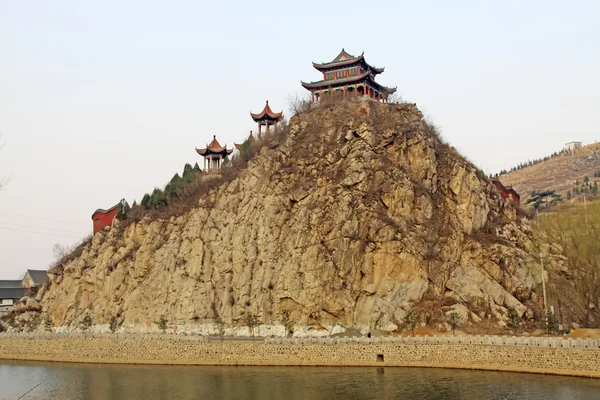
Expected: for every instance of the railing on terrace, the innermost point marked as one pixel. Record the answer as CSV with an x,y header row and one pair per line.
x,y
557,342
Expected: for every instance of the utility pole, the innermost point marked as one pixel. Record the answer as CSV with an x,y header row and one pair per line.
x,y
585,211
542,265
543,281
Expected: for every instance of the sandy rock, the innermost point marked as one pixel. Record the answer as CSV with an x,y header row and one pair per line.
x,y
356,216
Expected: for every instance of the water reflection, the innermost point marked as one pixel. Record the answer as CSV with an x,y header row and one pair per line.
x,y
87,381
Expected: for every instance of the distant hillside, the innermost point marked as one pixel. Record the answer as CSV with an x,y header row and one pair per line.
x,y
559,173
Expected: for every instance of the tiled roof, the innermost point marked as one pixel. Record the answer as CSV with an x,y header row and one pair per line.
x,y
38,276
367,75
250,138
10,284
103,211
267,113
214,147
344,59
13,293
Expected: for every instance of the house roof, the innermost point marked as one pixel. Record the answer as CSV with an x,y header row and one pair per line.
x,y
267,114
13,293
38,276
250,139
11,284
344,59
214,147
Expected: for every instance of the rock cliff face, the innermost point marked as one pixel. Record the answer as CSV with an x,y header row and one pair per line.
x,y
360,214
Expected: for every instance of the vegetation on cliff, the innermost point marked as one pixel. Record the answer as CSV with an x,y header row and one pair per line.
x,y
354,215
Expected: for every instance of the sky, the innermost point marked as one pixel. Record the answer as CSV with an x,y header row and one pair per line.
x,y
106,100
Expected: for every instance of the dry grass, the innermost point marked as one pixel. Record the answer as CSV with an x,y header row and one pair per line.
x,y
559,173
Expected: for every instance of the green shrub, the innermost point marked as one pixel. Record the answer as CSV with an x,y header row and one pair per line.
x,y
86,323
113,324
412,320
454,320
162,323
514,321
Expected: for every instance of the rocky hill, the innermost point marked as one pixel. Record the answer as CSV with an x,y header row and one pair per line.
x,y
559,173
358,215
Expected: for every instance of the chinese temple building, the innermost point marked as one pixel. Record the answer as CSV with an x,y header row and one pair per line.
x,y
507,192
266,118
250,139
214,154
347,76
103,218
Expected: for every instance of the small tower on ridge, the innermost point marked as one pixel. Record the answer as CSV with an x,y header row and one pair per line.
x,y
266,118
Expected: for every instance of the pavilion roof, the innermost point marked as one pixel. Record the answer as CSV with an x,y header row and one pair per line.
x,y
367,75
214,147
250,139
344,59
267,114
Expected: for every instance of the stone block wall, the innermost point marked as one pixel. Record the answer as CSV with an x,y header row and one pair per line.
x,y
189,350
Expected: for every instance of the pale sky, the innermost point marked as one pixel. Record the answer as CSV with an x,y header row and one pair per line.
x,y
105,100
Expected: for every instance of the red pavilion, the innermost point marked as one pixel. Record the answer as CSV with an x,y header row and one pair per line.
x,y
266,118
214,154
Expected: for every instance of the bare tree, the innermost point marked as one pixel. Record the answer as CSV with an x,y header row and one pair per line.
x,y
577,244
298,103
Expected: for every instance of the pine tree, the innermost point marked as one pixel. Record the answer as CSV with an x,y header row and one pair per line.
x,y
145,201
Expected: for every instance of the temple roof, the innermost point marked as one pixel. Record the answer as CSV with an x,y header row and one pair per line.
x,y
367,75
344,59
250,139
267,114
214,148
103,211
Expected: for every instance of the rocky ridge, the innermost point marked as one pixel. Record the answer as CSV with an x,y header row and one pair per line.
x,y
358,216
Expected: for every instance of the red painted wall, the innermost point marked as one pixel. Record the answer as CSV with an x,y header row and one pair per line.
x,y
101,220
507,193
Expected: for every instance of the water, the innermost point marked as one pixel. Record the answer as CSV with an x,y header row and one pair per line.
x,y
96,381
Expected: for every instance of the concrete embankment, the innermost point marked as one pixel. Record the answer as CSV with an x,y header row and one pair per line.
x,y
535,355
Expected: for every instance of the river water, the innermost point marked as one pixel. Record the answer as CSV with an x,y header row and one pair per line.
x,y
97,381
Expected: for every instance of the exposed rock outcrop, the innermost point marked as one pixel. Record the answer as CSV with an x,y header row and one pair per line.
x,y
358,214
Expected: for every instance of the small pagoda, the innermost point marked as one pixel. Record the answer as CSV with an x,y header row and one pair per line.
x,y
347,76
250,139
266,118
214,154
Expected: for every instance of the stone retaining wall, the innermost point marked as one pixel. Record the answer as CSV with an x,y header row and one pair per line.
x,y
446,352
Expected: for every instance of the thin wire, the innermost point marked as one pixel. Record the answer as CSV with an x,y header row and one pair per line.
x,y
38,227
39,233
48,219
30,390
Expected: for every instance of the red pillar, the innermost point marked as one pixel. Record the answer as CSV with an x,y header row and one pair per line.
x,y
312,97
320,95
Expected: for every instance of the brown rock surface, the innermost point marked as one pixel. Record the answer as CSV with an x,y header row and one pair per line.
x,y
360,212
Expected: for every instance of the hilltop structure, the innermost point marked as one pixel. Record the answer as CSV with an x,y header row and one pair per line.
x,y
250,139
573,146
103,218
507,192
214,154
347,76
266,118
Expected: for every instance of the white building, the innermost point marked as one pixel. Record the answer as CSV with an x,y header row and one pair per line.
x,y
572,146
